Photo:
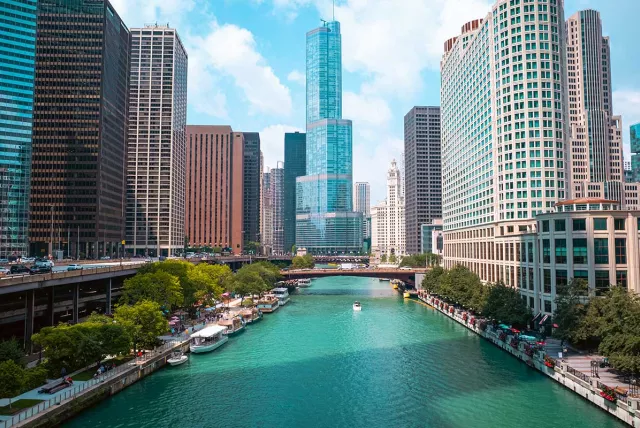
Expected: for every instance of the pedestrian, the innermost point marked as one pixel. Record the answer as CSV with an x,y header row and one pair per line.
x,y
63,372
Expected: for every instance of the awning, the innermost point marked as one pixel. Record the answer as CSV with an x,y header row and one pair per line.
x,y
544,318
536,317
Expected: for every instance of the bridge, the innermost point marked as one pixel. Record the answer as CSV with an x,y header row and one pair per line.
x,y
404,275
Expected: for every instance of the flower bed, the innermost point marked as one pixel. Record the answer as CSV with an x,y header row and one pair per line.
x,y
608,394
549,362
502,336
465,317
451,309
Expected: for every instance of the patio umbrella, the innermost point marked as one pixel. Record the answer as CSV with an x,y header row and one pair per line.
x,y
225,294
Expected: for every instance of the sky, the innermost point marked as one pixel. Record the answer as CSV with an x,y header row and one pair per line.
x,y
247,64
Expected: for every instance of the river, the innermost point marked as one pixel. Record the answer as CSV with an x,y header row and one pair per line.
x,y
317,363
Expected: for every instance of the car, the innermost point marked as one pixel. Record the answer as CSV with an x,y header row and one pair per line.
x,y
4,260
4,270
406,268
18,269
28,259
74,267
39,270
148,260
44,263
105,258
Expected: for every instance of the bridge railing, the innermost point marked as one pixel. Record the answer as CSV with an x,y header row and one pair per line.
x,y
24,279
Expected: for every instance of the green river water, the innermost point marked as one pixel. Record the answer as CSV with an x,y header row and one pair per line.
x,y
317,363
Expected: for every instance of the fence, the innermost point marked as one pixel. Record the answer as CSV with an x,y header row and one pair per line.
x,y
583,377
72,393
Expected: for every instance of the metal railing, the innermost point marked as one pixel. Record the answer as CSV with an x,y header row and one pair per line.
x,y
73,392
583,377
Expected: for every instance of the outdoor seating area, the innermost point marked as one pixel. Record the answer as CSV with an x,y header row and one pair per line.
x,y
58,385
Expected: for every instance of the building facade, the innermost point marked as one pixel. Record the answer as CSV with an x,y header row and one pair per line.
x,y
277,207
325,221
214,202
504,135
79,129
267,212
156,161
423,172
17,62
432,237
387,218
251,189
362,198
295,165
634,143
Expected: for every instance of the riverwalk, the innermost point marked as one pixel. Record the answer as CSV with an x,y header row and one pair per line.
x,y
623,405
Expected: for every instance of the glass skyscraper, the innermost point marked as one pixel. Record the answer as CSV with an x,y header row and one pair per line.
x,y
295,165
634,142
325,221
17,64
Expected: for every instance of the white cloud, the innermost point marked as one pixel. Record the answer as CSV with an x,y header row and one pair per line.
x,y
366,110
272,143
626,102
136,13
298,77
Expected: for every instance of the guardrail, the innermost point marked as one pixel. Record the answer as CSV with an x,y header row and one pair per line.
x,y
70,394
23,279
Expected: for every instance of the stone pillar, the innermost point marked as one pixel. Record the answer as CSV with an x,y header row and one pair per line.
x,y
51,306
107,309
28,320
76,297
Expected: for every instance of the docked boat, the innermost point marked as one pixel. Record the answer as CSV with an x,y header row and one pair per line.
x,y
268,304
250,315
304,283
406,295
207,339
177,358
282,294
384,279
232,325
357,306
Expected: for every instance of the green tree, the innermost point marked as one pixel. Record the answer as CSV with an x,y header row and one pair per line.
x,y
383,258
251,247
415,261
431,281
248,283
34,377
294,249
11,350
392,258
303,262
506,305
571,308
11,379
159,286
143,323
206,283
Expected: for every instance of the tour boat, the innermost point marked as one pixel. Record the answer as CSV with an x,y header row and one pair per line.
x,y
268,304
357,306
250,315
177,358
304,283
406,295
207,339
232,325
282,294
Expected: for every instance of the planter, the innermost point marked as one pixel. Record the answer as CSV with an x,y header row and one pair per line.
x,y
549,362
608,394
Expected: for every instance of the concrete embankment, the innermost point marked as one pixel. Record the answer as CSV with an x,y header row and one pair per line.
x,y
627,409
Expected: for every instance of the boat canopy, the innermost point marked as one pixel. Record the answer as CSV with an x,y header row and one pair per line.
x,y
209,331
280,290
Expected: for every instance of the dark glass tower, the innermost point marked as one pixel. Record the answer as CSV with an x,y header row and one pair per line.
x,y
295,165
251,187
17,61
80,128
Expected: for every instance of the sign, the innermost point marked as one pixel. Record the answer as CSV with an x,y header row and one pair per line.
x,y
123,242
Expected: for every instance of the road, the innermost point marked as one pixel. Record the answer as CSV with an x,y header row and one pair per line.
x,y
97,265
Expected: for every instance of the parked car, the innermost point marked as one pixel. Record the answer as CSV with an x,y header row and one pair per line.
x,y
105,258
74,267
28,259
17,269
39,270
44,263
4,270
4,260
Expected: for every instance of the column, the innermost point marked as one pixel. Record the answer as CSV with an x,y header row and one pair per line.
x,y
28,320
107,309
51,306
76,297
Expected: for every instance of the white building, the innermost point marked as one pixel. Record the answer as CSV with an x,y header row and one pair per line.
x,y
387,218
156,162
362,198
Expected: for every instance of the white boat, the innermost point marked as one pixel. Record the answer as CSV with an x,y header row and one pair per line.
x,y
282,294
383,279
232,325
304,283
207,339
357,306
268,304
177,358
250,315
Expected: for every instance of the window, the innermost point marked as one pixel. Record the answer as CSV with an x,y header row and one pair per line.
x,y
618,223
546,251
547,306
621,278
581,274
601,250
621,251
560,225
545,226
561,278
599,224
561,250
531,304
580,251
602,282
579,224
547,280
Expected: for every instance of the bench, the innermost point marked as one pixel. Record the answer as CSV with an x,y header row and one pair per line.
x,y
55,386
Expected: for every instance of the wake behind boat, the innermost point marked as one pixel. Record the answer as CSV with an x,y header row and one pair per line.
x,y
357,306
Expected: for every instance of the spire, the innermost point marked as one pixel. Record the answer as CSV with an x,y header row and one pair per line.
x,y
334,11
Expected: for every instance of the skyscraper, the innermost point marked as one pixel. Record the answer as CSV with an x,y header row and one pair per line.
x,y
251,188
277,207
295,165
595,134
267,212
156,162
79,129
387,217
504,138
325,221
17,62
634,143
362,198
423,172
215,161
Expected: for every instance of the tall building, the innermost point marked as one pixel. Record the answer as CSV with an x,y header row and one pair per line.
x,y
295,165
325,221
595,133
267,212
388,218
504,139
362,198
423,172
214,183
634,142
628,171
157,143
251,189
79,129
277,206
17,62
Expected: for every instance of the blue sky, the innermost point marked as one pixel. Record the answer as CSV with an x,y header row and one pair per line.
x,y
247,63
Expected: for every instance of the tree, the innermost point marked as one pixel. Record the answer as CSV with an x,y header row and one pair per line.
x,y
251,247
11,379
11,350
294,249
303,262
571,308
416,261
207,283
159,286
392,258
248,282
143,323
431,281
506,305
383,258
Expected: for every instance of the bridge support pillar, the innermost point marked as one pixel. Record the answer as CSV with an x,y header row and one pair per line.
x,y
107,309
28,320
76,298
50,306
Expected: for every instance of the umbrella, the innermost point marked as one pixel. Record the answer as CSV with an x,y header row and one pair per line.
x,y
173,322
225,295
